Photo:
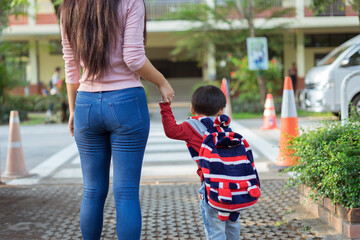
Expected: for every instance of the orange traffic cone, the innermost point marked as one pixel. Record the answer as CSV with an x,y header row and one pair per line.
x,y
225,90
15,164
288,125
269,120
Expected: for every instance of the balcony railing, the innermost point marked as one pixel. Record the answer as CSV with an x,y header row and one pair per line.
x,y
336,9
158,10
165,9
18,15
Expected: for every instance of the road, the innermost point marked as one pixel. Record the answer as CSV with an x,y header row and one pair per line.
x,y
51,155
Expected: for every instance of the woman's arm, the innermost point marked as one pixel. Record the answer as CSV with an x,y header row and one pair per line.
x,y
72,91
134,50
150,73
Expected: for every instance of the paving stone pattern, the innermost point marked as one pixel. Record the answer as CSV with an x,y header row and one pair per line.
x,y
169,211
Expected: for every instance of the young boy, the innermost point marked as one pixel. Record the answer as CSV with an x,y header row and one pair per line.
x,y
208,101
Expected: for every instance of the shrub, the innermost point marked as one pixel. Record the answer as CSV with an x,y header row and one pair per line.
x,y
244,81
329,161
25,104
5,114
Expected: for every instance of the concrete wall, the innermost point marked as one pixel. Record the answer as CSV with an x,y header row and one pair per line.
x,y
48,62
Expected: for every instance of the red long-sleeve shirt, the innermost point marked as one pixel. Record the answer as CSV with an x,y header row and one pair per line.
x,y
183,131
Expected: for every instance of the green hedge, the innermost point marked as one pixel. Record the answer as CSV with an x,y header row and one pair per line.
x,y
25,104
5,114
329,161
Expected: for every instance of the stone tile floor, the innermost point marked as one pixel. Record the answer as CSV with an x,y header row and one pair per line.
x,y
169,211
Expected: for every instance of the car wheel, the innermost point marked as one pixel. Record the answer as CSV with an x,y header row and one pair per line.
x,y
356,104
336,114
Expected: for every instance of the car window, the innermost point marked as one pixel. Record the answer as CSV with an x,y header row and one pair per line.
x,y
354,60
333,55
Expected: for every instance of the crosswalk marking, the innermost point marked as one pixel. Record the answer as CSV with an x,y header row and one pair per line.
x,y
267,149
163,157
169,170
169,156
166,147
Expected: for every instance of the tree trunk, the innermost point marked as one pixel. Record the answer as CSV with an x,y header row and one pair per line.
x,y
250,17
262,86
260,74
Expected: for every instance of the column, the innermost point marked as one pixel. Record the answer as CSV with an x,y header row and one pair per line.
x,y
210,3
300,58
209,66
300,9
33,62
32,12
211,63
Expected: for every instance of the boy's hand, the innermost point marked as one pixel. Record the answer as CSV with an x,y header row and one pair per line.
x,y
167,92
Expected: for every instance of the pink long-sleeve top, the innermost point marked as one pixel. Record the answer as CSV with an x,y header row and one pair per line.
x,y
127,58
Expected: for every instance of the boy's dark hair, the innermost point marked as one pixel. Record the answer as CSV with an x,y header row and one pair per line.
x,y
57,69
208,100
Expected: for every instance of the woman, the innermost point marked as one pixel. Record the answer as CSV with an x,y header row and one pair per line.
x,y
108,108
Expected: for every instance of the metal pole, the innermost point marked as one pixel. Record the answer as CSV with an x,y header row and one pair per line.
x,y
344,101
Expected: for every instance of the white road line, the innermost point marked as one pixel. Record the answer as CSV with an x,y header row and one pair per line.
x,y
169,147
163,140
69,173
169,170
267,149
168,157
76,161
45,168
261,166
157,134
159,149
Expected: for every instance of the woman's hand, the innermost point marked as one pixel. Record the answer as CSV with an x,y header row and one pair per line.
x,y
150,73
71,124
166,91
72,91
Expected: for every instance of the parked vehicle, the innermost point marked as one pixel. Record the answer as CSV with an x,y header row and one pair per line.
x,y
323,82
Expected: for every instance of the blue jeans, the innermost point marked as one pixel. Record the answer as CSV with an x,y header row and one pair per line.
x,y
114,123
215,229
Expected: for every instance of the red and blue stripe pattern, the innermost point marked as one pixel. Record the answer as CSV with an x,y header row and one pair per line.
x,y
226,160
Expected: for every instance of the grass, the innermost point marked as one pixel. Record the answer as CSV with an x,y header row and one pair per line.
x,y
301,113
34,119
246,115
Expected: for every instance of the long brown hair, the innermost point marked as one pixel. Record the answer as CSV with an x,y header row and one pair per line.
x,y
92,27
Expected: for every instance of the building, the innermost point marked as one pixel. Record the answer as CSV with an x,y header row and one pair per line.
x,y
307,39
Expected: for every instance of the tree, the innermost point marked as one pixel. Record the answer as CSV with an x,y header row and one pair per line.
x,y
320,6
218,25
56,4
7,63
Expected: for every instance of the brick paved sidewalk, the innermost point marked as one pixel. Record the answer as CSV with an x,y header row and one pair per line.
x,y
169,211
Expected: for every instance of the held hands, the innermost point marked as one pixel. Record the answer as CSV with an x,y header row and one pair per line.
x,y
166,91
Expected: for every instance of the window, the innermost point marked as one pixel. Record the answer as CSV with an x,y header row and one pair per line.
x,y
172,69
354,60
327,40
333,55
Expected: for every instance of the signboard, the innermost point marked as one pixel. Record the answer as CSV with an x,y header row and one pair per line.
x,y
257,53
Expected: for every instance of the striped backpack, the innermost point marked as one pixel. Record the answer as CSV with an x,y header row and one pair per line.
x,y
231,179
